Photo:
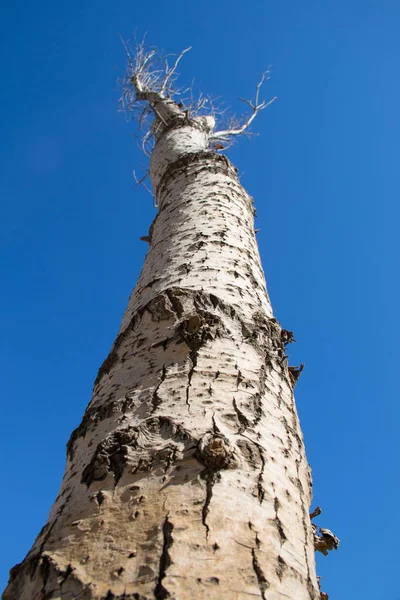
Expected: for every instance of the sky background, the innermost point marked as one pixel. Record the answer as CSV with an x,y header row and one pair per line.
x,y
324,173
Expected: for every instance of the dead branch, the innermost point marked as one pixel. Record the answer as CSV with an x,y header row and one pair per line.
x,y
148,77
142,182
170,72
256,106
294,373
151,96
316,513
148,89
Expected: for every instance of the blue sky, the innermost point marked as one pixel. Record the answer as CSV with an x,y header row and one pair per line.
x,y
324,173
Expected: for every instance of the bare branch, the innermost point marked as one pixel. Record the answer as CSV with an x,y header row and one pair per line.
x,y
170,72
130,62
142,183
148,90
150,95
255,106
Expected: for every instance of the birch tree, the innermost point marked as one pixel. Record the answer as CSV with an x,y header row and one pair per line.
x,y
187,477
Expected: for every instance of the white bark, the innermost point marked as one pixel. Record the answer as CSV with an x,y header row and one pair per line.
x,y
187,477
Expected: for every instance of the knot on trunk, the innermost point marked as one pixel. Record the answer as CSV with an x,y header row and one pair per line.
x,y
216,452
198,328
156,442
193,324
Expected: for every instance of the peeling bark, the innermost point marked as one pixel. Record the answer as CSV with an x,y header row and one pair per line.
x,y
192,431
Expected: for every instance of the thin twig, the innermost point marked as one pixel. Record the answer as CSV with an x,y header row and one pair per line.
x,y
142,182
170,72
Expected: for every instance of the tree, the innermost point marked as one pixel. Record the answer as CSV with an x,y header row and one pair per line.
x,y
187,477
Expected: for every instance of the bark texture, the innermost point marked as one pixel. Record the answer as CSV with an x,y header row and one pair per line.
x,y
187,477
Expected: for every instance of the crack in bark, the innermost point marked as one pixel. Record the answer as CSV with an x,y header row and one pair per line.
x,y
239,378
280,569
160,592
263,583
258,397
282,535
243,420
193,361
247,452
156,400
65,574
260,487
210,479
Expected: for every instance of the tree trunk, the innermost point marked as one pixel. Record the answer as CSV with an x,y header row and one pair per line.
x,y
187,477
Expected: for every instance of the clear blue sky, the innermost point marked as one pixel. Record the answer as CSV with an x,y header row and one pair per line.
x,y
324,173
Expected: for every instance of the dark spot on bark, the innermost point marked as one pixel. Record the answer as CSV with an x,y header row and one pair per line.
x,y
160,592
100,498
281,567
214,300
135,596
216,452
